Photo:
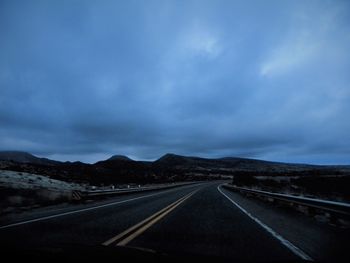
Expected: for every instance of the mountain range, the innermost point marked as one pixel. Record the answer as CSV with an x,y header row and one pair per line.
x,y
170,167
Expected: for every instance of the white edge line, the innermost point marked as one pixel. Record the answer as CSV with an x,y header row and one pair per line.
x,y
81,210
297,251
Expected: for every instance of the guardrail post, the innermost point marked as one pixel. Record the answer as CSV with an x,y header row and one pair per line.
x,y
332,219
311,211
271,199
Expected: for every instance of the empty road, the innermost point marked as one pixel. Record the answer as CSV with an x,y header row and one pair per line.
x,y
201,220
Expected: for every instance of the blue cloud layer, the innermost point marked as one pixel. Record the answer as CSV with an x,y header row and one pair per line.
x,y
265,79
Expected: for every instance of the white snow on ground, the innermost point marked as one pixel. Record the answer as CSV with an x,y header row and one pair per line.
x,y
21,180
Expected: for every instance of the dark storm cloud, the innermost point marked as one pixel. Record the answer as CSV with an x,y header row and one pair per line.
x,y
87,79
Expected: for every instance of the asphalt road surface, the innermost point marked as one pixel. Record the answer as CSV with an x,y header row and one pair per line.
x,y
201,221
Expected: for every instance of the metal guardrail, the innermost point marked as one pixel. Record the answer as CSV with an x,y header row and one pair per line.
x,y
94,193
312,205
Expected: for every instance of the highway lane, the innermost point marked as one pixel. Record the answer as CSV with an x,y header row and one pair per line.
x,y
320,240
64,209
185,221
209,225
88,225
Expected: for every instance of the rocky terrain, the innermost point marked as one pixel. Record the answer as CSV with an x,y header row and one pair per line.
x,y
20,190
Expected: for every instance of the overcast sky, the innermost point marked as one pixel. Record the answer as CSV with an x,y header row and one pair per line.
x,y
82,80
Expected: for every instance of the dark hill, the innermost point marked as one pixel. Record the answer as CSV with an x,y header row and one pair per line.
x,y
24,157
119,157
228,163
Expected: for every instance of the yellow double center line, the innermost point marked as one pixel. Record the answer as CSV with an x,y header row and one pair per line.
x,y
128,235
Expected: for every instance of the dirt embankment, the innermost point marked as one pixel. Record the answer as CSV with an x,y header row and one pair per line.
x,y
23,191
